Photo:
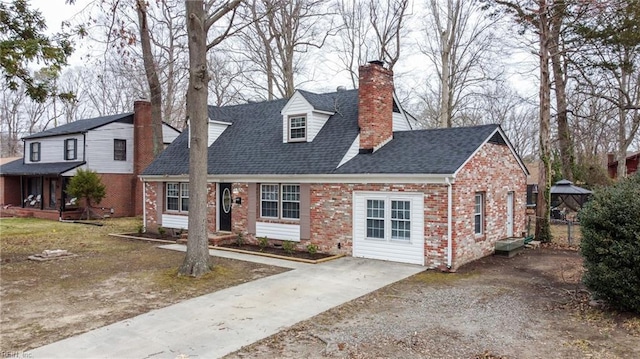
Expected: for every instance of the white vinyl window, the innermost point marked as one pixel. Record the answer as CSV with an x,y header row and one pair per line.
x,y
34,151
479,213
388,218
375,218
297,128
401,220
280,201
177,197
70,149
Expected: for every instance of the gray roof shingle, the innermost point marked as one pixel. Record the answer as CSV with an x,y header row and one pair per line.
x,y
83,125
18,168
253,145
435,151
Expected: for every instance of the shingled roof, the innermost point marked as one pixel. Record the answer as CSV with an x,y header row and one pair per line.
x,y
19,168
252,144
83,125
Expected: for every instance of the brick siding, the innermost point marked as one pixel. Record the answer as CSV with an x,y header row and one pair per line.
x,y
493,170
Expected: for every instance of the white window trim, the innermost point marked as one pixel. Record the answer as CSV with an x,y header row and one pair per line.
x,y
280,201
387,218
180,197
74,149
306,128
32,158
481,214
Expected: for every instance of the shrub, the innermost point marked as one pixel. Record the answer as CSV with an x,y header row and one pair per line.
x,y
312,248
288,246
263,242
88,185
240,239
162,231
611,244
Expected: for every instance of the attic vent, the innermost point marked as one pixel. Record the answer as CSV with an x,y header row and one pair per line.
x,y
252,100
341,88
497,139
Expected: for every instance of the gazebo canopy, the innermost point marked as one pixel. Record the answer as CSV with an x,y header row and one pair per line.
x,y
566,192
567,187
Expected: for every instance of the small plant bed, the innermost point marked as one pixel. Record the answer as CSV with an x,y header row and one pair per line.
x,y
286,251
152,237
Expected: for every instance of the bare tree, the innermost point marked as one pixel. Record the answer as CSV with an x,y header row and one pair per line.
x,y
557,15
352,48
201,16
280,32
11,125
535,14
388,25
610,66
369,30
152,77
461,44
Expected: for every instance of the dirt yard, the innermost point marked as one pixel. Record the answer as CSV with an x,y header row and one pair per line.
x,y
111,279
529,306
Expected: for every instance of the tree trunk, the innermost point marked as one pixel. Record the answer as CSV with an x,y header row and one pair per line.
x,y
197,259
445,90
543,231
155,90
564,136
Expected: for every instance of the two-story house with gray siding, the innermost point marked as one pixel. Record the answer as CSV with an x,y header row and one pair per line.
x,y
118,147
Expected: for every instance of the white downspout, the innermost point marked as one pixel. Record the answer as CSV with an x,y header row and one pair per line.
x,y
144,207
449,220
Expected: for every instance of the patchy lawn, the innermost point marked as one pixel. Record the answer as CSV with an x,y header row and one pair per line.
x,y
530,306
111,279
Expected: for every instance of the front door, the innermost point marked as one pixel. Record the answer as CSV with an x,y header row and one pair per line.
x,y
510,214
224,204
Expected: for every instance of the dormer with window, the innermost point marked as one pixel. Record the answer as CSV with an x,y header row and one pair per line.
x,y
304,115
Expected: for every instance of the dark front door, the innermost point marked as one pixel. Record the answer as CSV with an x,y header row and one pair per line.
x,y
225,203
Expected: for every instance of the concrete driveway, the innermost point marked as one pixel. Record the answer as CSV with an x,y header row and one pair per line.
x,y
213,325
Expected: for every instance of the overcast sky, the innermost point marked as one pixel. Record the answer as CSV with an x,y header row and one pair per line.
x,y
520,64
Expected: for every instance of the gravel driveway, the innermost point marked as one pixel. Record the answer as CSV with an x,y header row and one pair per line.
x,y
529,306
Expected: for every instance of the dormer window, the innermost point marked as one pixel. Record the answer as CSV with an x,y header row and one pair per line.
x,y
297,128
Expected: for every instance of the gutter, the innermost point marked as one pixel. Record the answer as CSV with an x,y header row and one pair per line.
x,y
449,221
144,208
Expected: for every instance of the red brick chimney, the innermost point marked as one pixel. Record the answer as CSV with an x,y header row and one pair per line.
x,y
142,149
375,106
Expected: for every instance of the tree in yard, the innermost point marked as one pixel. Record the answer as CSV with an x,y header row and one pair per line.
x,y
152,77
86,184
461,43
279,32
369,30
22,42
201,17
610,65
536,14
611,244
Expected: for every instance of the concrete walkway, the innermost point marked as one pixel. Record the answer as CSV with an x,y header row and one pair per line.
x,y
216,324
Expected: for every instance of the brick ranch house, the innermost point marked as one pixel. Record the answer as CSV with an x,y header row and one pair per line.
x,y
117,147
345,171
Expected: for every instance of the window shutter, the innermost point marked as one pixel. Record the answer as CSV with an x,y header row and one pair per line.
x,y
305,211
252,207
